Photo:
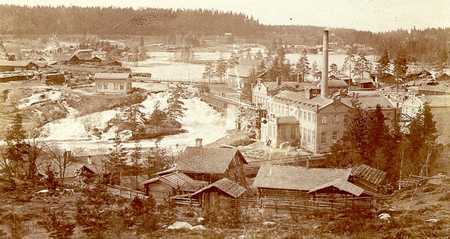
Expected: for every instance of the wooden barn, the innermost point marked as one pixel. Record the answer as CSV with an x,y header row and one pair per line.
x,y
211,164
168,185
220,197
289,186
17,66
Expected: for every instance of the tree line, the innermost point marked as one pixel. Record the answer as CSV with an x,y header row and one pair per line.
x,y
429,45
370,140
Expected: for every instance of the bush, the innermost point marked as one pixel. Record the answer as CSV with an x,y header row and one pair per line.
x,y
445,197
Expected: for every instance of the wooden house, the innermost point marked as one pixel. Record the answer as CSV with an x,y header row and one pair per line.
x,y
211,164
220,197
276,180
17,66
289,188
112,83
168,185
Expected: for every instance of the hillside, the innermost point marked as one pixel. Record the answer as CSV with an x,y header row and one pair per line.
x,y
430,45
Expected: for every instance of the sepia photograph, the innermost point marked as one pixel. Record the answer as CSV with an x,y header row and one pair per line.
x,y
224,119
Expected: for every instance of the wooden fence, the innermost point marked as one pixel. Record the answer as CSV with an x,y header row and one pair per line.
x,y
126,192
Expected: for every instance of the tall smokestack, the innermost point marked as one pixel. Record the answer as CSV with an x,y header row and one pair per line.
x,y
324,82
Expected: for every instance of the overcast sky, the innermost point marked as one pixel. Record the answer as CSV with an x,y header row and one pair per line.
x,y
374,15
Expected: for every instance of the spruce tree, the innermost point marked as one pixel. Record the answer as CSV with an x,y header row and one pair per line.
x,y
116,160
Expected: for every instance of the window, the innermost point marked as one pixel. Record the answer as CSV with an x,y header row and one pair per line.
x,y
105,85
121,86
334,137
323,137
324,119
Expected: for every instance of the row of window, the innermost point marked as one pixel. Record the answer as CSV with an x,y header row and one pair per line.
x,y
323,137
115,86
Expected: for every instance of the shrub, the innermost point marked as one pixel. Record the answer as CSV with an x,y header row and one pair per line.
x,y
445,197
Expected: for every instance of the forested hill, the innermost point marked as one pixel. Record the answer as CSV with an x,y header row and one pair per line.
x,y
429,44
121,21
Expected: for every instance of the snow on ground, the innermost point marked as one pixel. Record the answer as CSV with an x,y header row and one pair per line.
x,y
75,128
176,71
40,96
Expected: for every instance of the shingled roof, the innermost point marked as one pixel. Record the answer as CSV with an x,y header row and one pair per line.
x,y
206,160
372,175
342,185
297,178
225,185
178,180
112,76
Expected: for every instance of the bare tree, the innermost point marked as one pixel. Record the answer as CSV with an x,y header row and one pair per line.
x,y
60,159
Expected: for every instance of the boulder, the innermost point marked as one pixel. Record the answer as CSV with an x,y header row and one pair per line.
x,y
384,216
198,228
180,226
269,224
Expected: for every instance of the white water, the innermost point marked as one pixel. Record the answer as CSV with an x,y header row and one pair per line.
x,y
200,120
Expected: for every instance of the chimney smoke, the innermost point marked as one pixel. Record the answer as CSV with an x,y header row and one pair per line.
x,y
324,82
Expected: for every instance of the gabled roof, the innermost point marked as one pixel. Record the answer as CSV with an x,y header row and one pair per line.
x,y
297,178
342,185
225,185
174,180
372,175
178,180
369,102
112,76
300,97
15,63
206,160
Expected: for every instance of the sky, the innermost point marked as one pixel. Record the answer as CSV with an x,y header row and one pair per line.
x,y
372,15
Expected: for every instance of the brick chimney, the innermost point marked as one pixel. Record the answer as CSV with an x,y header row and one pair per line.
x,y
324,81
198,142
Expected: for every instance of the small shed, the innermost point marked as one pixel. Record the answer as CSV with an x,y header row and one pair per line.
x,y
220,197
371,179
55,79
174,183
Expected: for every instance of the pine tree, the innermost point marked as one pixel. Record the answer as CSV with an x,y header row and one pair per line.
x,y
14,162
361,66
377,131
383,64
400,67
136,157
116,160
176,108
302,66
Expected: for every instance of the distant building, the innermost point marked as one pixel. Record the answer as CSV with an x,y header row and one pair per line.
x,y
17,66
112,83
263,91
84,56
